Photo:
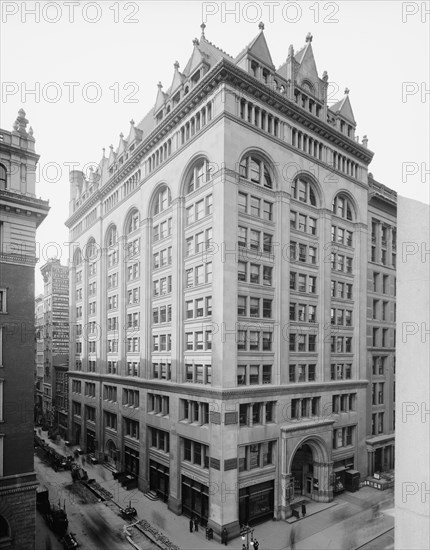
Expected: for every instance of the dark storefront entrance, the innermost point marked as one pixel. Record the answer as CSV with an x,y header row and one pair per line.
x,y
256,503
302,470
195,499
91,439
159,479
131,461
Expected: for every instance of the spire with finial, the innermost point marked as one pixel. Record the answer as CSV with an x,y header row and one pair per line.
x,y
325,76
346,91
261,26
309,37
121,135
30,131
104,152
159,85
132,123
176,65
196,42
291,51
203,26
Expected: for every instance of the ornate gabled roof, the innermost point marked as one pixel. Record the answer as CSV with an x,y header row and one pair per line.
x,y
147,124
178,79
343,108
258,48
122,146
135,134
161,98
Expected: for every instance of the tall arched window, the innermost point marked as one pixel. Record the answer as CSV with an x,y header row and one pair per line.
x,y
256,170
90,250
112,236
342,207
132,222
3,177
162,200
77,258
198,176
303,191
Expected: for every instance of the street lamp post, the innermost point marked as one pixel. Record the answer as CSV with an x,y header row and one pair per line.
x,y
247,534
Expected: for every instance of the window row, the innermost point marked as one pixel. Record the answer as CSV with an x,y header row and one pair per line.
x,y
162,286
345,402
340,316
199,210
302,342
162,314
255,207
132,368
198,275
301,282
133,271
133,344
90,389
339,289
250,375
259,117
304,313
300,252
255,240
198,373
249,306
340,371
162,230
196,453
162,342
252,414
133,296
199,307
305,407
302,372
158,404
378,393
303,223
160,440
341,236
343,437
254,273
254,340
341,344
196,412
198,341
256,455
340,262
198,243
161,370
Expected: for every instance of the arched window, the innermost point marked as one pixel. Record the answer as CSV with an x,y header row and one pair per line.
x,y
198,176
303,190
3,177
256,170
4,528
77,258
342,207
90,250
162,200
132,222
112,236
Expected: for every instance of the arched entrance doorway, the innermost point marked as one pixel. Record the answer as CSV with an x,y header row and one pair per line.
x,y
111,452
302,471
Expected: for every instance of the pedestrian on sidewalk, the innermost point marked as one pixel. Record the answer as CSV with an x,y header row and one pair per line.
x,y
303,510
292,538
196,524
224,536
191,525
256,544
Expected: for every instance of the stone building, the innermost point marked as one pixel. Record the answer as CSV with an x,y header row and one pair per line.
x,y
20,215
219,290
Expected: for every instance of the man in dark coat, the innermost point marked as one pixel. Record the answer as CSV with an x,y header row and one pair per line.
x,y
303,510
191,525
224,536
196,524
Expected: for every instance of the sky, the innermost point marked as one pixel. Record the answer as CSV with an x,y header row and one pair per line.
x,y
82,70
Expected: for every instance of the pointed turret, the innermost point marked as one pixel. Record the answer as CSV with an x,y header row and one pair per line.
x,y
161,98
177,81
122,146
134,135
112,156
257,50
344,109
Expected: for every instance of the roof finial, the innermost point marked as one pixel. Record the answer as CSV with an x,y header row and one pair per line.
x,y
261,26
203,26
291,51
195,42
176,65
132,122
121,135
104,151
159,85
325,76
309,37
346,91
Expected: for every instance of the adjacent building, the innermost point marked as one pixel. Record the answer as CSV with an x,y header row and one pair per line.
x,y
219,291
20,215
53,338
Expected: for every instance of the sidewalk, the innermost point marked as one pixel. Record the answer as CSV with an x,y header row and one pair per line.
x,y
329,519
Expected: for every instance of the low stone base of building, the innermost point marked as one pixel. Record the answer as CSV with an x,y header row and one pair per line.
x,y
18,508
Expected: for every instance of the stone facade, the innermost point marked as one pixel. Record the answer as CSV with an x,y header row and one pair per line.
x,y
212,247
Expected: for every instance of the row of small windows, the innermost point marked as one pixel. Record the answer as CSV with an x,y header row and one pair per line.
x,y
307,144
196,123
159,156
343,164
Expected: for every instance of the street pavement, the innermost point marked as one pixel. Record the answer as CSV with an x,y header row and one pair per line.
x,y
344,524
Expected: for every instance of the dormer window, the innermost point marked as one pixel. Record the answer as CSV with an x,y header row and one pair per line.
x,y
176,99
254,68
196,77
266,75
160,116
